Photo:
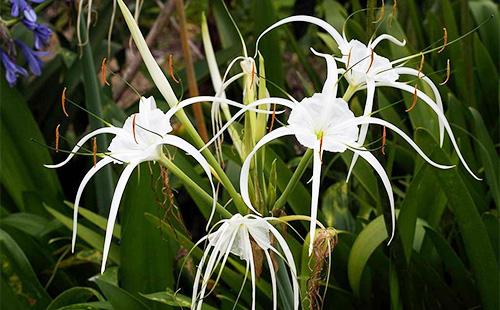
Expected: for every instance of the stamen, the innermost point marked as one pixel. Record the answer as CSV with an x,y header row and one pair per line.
x,y
348,59
371,61
445,39
94,150
273,117
253,74
414,103
63,102
382,13
133,128
57,138
395,8
171,68
103,72
321,145
448,72
384,134
421,66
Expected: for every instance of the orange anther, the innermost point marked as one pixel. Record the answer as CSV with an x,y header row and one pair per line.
x,y
445,39
321,145
414,103
384,135
395,8
421,66
63,102
448,73
171,68
103,72
133,128
382,13
57,137
273,117
94,150
371,61
348,59
253,75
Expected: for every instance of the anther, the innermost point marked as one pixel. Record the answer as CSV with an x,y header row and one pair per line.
x,y
348,59
382,13
371,60
421,66
273,117
171,68
103,72
384,135
448,72
395,8
133,128
63,102
57,138
94,150
321,146
253,74
445,39
414,103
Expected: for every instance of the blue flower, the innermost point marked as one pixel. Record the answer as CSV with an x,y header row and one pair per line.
x,y
12,71
41,32
21,6
32,58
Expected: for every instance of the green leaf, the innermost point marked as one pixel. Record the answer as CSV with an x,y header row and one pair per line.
x,y
96,219
172,298
477,246
118,297
91,237
18,277
74,295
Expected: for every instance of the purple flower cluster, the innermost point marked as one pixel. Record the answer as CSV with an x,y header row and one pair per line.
x,y
41,33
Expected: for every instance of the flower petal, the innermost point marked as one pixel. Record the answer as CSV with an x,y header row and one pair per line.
x,y
245,168
111,130
383,37
438,112
330,85
370,92
385,180
316,178
103,162
113,210
435,91
307,19
273,278
191,150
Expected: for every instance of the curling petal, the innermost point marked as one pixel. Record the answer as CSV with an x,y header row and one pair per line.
x,y
388,37
273,278
438,112
370,92
111,130
113,210
100,164
330,85
245,168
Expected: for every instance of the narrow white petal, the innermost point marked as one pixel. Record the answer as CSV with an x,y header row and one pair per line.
x,y
435,91
213,68
157,75
252,269
385,180
370,92
291,264
113,210
330,85
191,150
194,299
273,278
438,112
383,37
316,178
245,168
79,144
103,162
251,107
307,19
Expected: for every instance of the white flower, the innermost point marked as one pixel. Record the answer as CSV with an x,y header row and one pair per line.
x,y
235,236
324,122
365,69
140,139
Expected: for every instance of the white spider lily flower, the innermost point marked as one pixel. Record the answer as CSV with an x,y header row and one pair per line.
x,y
235,236
324,122
141,139
365,69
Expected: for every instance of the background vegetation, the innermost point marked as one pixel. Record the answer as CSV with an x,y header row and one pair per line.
x,y
445,255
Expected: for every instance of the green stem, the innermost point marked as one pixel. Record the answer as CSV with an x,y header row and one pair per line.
x,y
187,181
301,168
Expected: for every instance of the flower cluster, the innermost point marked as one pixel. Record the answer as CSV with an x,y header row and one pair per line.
x,y
321,123
22,10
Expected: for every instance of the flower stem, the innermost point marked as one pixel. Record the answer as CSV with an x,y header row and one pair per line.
x,y
187,181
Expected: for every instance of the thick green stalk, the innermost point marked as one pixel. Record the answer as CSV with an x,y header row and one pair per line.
x,y
104,181
187,181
